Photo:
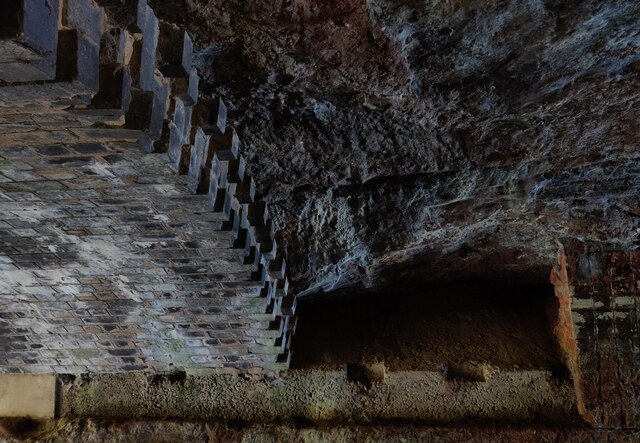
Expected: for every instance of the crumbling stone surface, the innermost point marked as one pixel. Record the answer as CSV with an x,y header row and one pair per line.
x,y
394,138
528,396
432,139
100,431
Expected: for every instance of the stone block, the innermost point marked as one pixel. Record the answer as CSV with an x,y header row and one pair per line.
x,y
278,268
231,202
182,119
226,146
179,87
160,107
141,17
266,231
175,51
111,90
217,185
246,190
200,144
283,287
127,84
236,167
40,30
87,17
175,146
232,224
269,246
130,53
32,396
88,62
221,168
218,116
21,72
140,110
262,275
40,25
253,257
258,214
467,371
194,85
67,55
148,58
244,241
289,305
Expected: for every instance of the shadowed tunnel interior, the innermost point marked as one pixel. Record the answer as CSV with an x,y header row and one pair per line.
x,y
506,326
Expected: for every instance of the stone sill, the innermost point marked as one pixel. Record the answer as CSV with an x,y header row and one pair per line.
x,y
321,396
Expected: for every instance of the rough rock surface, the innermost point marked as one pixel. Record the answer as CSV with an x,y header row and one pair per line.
x,y
91,431
461,137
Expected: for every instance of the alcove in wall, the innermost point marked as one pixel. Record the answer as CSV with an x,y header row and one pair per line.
x,y
11,18
507,326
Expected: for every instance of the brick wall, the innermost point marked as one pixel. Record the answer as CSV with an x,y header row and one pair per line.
x,y
605,315
109,260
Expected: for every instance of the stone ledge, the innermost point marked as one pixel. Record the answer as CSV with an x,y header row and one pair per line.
x,y
322,396
32,396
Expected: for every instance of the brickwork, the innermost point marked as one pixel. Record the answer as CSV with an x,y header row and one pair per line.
x,y
605,309
131,238
109,261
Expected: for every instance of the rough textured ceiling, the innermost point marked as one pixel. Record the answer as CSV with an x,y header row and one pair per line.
x,y
430,138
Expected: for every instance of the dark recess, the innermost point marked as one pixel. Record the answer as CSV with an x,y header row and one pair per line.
x,y
505,325
11,18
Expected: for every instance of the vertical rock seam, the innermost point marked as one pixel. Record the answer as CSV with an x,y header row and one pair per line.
x,y
563,330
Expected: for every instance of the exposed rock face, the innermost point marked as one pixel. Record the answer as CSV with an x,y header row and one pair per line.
x,y
460,137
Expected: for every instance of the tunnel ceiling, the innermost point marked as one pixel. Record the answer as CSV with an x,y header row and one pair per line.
x,y
430,138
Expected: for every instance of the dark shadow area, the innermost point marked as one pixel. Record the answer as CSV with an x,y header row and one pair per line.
x,y
10,18
506,326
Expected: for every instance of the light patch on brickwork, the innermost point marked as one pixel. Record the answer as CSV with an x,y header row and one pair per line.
x,y
623,302
32,396
608,315
100,170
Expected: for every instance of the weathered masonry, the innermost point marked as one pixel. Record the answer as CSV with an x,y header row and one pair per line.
x,y
136,258
110,260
